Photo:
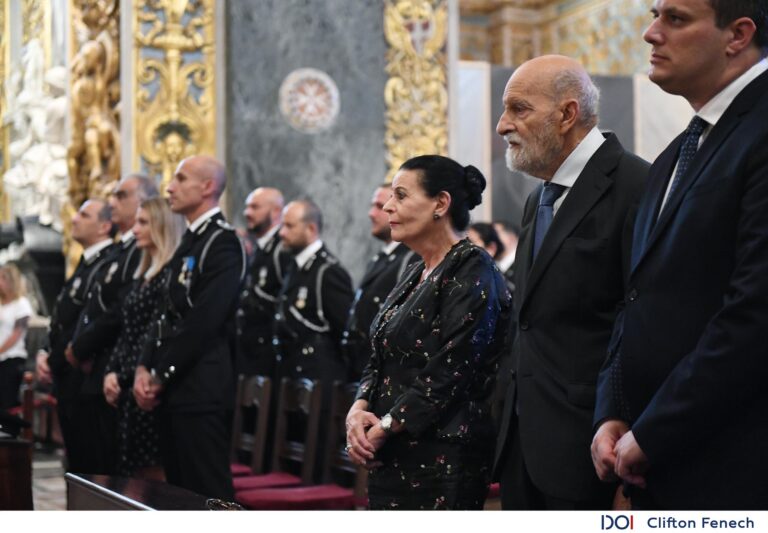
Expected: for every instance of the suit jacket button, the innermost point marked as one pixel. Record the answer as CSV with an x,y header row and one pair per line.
x,y
632,295
524,325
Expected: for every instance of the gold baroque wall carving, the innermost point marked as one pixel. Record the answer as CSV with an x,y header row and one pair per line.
x,y
93,155
605,35
415,94
175,103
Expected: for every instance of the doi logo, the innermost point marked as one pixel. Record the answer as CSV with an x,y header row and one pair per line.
x,y
620,522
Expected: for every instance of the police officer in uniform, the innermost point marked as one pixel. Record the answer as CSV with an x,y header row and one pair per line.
x,y
83,412
99,323
312,309
263,215
186,370
313,303
381,275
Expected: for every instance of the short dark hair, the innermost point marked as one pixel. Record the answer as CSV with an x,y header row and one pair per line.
x,y
488,235
464,184
312,213
726,11
105,215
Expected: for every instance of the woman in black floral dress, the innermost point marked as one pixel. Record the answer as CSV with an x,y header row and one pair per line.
x,y
422,421
157,232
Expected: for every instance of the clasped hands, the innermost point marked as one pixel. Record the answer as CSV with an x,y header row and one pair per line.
x,y
616,454
146,389
364,435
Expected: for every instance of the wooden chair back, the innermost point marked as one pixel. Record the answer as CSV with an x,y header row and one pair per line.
x,y
297,397
336,454
253,392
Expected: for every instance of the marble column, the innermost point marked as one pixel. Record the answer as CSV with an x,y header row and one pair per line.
x,y
305,86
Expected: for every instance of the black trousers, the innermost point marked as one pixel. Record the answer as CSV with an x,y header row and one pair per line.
x,y
89,427
194,448
519,493
11,372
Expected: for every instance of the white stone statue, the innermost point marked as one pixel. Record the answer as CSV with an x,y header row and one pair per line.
x,y
36,182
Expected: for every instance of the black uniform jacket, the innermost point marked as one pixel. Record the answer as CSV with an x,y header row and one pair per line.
x,y
68,381
190,349
312,311
258,304
99,324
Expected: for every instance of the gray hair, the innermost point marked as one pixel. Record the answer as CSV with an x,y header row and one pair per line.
x,y
573,84
146,187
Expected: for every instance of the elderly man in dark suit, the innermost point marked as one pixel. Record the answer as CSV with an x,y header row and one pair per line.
x,y
569,279
186,370
681,402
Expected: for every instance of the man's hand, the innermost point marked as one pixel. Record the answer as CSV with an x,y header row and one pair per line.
x,y
631,462
603,444
42,369
111,389
69,355
145,389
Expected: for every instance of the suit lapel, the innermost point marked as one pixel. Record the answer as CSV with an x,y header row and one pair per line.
x,y
592,183
658,178
743,103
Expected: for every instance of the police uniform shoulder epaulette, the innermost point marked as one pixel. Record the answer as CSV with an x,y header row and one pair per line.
x,y
223,224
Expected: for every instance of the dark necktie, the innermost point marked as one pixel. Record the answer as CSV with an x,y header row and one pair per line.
x,y
545,212
688,150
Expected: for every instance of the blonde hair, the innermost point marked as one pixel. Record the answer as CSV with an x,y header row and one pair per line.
x,y
15,281
165,229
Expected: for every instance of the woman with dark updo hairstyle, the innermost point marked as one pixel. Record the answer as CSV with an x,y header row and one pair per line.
x,y
422,421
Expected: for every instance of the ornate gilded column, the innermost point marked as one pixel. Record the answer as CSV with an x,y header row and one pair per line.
x,y
415,94
174,104
93,155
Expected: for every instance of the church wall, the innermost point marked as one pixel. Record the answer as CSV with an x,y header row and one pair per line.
x,y
337,167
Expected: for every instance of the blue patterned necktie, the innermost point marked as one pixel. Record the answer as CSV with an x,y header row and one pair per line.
x,y
688,149
545,212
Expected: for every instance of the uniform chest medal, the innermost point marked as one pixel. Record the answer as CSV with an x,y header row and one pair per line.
x,y
111,272
75,285
185,276
301,298
262,276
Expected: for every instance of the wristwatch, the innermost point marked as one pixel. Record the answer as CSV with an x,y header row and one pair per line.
x,y
386,423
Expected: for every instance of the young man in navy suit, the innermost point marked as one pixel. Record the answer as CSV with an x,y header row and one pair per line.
x,y
680,414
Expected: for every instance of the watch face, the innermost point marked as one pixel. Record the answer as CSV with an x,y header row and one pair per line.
x,y
386,422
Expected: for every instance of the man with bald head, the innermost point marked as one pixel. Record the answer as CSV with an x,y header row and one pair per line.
x,y
313,302
312,309
570,267
263,215
186,369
